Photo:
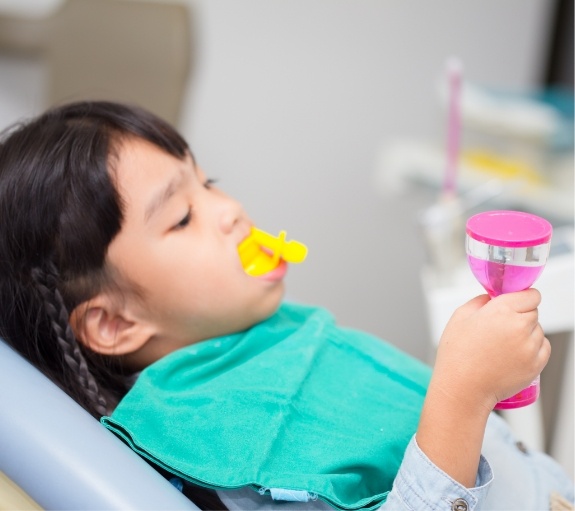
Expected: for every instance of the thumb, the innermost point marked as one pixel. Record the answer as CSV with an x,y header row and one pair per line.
x,y
469,308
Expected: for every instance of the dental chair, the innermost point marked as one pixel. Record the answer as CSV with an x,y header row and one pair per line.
x,y
137,51
63,458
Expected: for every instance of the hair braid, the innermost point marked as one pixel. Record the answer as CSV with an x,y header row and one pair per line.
x,y
47,284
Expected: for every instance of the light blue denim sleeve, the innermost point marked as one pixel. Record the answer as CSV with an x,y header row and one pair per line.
x,y
421,485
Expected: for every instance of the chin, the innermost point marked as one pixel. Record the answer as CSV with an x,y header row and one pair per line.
x,y
269,306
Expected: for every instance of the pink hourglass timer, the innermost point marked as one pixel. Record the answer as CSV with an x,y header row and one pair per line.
x,y
507,251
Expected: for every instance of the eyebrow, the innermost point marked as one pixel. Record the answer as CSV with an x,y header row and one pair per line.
x,y
163,196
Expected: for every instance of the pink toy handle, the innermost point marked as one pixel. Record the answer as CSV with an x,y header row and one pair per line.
x,y
454,71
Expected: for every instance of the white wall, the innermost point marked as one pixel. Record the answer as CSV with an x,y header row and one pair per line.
x,y
291,101
289,104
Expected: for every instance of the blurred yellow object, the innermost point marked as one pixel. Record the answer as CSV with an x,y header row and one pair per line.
x,y
261,252
503,168
13,498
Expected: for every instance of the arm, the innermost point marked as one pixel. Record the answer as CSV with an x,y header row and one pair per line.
x,y
489,350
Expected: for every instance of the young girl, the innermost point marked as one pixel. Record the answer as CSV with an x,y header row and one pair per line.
x,y
120,264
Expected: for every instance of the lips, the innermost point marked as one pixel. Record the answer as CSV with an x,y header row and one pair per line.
x,y
277,269
276,274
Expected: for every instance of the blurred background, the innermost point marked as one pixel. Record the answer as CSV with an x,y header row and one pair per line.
x,y
328,118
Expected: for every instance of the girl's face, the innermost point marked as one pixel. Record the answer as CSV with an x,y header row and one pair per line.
x,y
178,245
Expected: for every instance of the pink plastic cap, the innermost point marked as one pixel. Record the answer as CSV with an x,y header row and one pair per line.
x,y
509,229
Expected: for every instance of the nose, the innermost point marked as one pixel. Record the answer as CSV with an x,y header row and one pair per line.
x,y
231,214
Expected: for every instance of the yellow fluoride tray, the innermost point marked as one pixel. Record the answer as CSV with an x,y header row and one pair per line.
x,y
261,252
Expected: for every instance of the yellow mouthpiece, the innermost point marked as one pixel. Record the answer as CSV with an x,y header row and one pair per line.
x,y
261,252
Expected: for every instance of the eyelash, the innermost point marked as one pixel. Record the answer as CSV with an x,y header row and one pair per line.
x,y
186,220
209,183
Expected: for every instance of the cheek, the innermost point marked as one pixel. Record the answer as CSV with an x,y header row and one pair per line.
x,y
202,275
197,275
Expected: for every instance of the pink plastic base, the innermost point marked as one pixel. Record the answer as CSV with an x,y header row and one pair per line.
x,y
499,278
526,397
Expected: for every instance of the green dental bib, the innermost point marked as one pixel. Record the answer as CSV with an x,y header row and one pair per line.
x,y
294,403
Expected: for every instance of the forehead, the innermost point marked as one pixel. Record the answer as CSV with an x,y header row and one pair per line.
x,y
137,158
142,168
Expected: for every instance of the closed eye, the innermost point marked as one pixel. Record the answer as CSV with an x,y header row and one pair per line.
x,y
184,221
208,183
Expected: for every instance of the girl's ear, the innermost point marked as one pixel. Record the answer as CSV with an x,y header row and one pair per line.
x,y
106,326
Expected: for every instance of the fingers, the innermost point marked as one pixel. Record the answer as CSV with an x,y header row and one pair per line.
x,y
522,301
534,351
543,347
545,351
478,301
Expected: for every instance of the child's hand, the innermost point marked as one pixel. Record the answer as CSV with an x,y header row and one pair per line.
x,y
491,349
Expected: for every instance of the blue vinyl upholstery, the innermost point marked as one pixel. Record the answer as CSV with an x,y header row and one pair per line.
x,y
64,458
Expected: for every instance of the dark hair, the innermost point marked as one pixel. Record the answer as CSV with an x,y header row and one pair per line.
x,y
60,211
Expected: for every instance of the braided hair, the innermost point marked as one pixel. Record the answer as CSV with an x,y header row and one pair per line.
x,y
60,211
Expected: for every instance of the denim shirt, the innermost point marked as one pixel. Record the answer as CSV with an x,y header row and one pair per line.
x,y
421,485
514,478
